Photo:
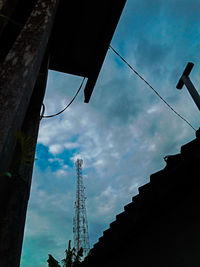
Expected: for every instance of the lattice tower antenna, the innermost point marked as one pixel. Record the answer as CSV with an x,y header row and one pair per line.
x,y
80,224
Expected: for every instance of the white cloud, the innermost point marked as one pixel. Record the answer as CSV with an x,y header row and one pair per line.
x,y
61,173
133,187
152,109
56,148
99,163
71,145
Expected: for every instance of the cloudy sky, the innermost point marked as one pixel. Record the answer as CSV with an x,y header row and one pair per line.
x,y
124,132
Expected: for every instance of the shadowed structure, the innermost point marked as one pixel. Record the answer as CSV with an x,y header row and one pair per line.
x,y
160,227
37,35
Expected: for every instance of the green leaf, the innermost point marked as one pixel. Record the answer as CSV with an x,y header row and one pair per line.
x,y
6,174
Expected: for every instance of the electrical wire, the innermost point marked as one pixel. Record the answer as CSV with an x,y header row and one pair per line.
x,y
43,111
51,116
152,88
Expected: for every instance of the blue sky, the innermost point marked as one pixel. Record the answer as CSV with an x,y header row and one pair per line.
x,y
124,132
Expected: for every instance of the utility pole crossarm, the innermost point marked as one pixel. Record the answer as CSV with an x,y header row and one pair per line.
x,y
185,80
186,73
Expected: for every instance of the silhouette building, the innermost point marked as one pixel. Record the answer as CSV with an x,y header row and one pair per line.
x,y
161,226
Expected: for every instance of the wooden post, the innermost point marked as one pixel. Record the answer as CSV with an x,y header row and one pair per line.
x,y
22,86
18,75
15,196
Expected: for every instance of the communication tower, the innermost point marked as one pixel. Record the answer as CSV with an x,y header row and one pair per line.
x,y
80,224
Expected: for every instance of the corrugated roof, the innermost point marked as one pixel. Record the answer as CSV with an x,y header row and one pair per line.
x,y
166,192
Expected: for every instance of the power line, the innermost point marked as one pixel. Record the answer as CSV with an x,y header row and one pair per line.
x,y
152,88
51,116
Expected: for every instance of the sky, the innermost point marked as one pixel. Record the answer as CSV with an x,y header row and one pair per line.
x,y
122,135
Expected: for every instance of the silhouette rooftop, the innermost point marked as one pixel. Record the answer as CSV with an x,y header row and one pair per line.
x,y
81,36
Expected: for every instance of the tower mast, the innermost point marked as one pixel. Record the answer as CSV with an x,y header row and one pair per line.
x,y
80,224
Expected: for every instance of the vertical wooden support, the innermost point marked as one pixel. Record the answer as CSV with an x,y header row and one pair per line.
x,y
17,188
22,88
18,75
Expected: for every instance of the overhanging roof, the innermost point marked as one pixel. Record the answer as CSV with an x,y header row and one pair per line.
x,y
81,36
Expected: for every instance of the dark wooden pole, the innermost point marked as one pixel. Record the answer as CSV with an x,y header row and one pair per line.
x,y
16,195
22,87
18,75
